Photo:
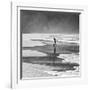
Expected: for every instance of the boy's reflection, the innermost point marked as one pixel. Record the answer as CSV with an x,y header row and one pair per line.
x,y
54,50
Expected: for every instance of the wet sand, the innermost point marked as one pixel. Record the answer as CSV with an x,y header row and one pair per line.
x,y
40,71
32,70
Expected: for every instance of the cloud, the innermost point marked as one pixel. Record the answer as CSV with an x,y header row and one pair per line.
x,y
49,22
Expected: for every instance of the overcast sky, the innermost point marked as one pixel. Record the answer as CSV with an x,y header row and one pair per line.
x,y
49,22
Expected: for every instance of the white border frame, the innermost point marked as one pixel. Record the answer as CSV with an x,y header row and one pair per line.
x,y
15,35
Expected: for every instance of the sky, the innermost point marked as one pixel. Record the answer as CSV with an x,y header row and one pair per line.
x,y
49,22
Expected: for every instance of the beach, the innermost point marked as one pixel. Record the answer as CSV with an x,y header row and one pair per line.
x,y
39,60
